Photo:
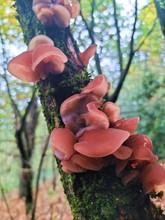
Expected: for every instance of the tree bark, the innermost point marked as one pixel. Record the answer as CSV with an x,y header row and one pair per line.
x,y
160,7
92,195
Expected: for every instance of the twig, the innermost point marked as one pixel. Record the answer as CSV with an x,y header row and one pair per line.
x,y
124,72
91,35
118,37
132,52
28,108
13,104
134,28
145,38
5,200
38,178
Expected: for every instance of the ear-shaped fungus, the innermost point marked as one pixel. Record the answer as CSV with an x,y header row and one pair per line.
x,y
152,175
38,40
47,58
87,54
98,86
129,125
120,166
20,67
72,6
88,162
93,118
141,146
112,111
68,166
41,59
62,141
58,13
100,143
51,13
123,153
129,177
73,107
61,16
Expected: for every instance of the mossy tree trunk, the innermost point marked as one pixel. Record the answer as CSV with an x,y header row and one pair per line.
x,y
92,195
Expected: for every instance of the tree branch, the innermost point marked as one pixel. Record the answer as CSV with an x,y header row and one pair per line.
x,y
118,37
23,120
124,72
160,7
13,104
91,35
145,38
134,28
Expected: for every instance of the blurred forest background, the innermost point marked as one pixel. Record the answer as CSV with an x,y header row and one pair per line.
x,y
130,46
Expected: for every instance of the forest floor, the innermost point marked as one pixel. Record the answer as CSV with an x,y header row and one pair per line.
x,y
51,204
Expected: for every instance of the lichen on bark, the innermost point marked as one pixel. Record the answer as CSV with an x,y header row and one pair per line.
x,y
92,195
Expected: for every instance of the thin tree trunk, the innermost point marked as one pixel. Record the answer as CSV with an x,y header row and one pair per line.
x,y
92,195
25,136
26,185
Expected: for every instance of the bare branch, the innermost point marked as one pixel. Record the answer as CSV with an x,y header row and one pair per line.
x,y
13,104
92,24
118,37
145,38
91,35
124,72
134,28
28,108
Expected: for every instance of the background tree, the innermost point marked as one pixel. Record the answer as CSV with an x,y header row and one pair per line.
x,y
160,6
24,111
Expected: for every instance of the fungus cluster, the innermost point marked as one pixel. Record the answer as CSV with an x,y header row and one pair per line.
x,y
94,137
58,13
41,59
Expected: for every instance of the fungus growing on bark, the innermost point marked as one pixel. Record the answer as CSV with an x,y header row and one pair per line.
x,y
73,107
99,86
141,146
58,13
123,153
47,58
85,56
100,143
129,124
112,111
68,166
129,177
62,141
93,118
38,40
104,140
41,59
88,162
152,175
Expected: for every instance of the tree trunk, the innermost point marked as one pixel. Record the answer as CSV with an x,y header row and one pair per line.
x,y
25,136
92,195
26,186
160,7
